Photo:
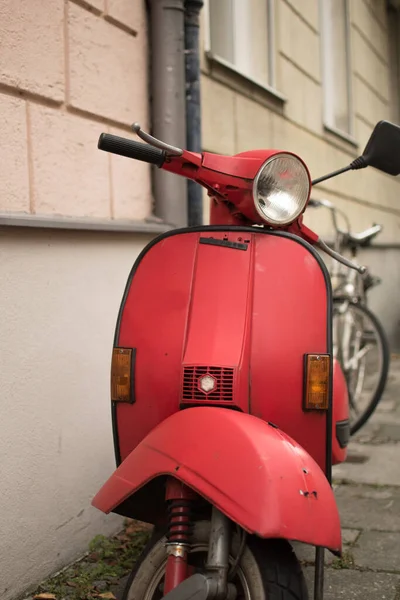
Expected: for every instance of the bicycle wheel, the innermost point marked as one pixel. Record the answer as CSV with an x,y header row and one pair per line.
x,y
361,346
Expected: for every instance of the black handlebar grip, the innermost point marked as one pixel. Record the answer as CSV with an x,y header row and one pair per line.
x,y
131,149
313,202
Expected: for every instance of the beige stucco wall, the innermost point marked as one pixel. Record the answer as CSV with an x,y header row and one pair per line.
x,y
238,116
68,71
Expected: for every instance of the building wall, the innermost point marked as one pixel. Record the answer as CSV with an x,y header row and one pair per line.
x,y
240,115
68,71
59,297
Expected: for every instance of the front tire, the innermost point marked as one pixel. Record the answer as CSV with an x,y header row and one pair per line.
x,y
269,569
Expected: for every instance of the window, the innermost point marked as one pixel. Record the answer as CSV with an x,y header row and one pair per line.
x,y
336,66
240,35
394,63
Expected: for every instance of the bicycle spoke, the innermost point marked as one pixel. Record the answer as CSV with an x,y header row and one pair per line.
x,y
352,404
361,349
357,357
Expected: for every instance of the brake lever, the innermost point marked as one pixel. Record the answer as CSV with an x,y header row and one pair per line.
x,y
335,255
152,141
298,228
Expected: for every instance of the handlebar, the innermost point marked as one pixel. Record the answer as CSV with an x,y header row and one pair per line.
x,y
314,203
158,153
131,149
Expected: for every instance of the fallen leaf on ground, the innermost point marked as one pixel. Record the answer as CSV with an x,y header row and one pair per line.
x,y
45,597
136,527
109,595
94,556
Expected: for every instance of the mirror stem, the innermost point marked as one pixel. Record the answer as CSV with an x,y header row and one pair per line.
x,y
358,163
333,174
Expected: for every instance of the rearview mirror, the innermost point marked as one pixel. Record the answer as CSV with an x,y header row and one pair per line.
x,y
383,148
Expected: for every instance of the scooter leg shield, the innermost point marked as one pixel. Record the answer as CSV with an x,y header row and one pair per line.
x,y
251,471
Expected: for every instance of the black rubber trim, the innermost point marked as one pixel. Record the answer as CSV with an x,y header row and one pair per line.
x,y
343,433
133,371
250,230
226,243
133,376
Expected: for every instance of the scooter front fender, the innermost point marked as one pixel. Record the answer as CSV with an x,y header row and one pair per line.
x,y
250,470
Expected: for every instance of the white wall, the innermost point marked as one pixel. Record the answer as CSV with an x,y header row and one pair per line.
x,y
59,297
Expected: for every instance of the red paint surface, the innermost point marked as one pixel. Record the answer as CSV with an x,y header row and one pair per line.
x,y
256,311
257,475
226,178
176,571
289,320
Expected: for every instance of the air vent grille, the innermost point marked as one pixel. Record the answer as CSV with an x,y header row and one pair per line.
x,y
222,391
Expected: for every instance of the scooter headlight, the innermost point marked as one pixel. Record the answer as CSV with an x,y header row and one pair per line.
x,y
281,189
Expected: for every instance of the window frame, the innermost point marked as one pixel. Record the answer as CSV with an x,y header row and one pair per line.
x,y
271,85
327,87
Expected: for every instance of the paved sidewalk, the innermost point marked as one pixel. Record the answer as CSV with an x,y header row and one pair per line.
x,y
367,488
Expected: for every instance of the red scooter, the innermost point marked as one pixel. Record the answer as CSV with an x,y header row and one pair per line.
x,y
228,410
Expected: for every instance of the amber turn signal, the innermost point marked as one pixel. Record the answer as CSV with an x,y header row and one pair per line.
x,y
121,375
317,381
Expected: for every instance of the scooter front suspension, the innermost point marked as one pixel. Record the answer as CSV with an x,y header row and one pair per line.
x,y
218,553
214,584
180,500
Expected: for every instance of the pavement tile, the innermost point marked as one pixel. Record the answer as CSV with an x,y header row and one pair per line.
x,y
389,432
380,465
305,552
368,507
378,550
355,585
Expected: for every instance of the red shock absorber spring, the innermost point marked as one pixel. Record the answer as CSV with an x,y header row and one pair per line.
x,y
180,525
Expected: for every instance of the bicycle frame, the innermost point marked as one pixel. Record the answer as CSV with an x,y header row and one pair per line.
x,y
349,289
347,284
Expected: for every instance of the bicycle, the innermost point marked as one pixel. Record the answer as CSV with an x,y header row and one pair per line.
x,y
359,341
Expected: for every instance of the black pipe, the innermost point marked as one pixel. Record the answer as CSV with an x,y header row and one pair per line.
x,y
193,107
319,573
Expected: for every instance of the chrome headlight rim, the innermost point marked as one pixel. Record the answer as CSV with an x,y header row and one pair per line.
x,y
301,209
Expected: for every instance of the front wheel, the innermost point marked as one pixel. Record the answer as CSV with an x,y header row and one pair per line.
x,y
268,570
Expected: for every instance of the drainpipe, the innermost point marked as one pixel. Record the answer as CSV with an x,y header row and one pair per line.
x,y
193,110
168,103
